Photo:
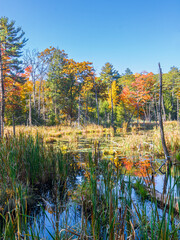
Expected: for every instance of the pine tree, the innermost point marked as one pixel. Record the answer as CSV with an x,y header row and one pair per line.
x,y
11,42
109,75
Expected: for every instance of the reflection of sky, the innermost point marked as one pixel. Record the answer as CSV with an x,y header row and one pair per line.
x,y
172,185
68,218
159,181
70,214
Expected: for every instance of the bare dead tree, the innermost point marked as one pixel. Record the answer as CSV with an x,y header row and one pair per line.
x,y
38,67
43,67
166,153
31,60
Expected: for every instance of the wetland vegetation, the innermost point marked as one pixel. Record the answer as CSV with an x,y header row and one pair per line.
x,y
81,156
89,183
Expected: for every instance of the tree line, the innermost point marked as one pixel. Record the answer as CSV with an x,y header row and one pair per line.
x,y
49,88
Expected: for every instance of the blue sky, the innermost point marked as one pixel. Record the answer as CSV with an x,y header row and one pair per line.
x,y
133,33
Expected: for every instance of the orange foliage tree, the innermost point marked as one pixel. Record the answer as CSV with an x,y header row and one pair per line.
x,y
16,96
134,100
66,80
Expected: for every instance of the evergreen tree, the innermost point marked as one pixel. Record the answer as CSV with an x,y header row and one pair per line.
x,y
109,75
171,83
56,84
11,42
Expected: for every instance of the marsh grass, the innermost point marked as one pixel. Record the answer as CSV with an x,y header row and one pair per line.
x,y
122,216
107,197
26,162
135,140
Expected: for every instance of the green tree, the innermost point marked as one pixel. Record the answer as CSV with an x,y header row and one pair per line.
x,y
171,83
99,90
66,78
55,84
109,75
127,78
11,42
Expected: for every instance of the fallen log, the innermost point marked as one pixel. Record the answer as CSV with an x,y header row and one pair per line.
x,y
163,200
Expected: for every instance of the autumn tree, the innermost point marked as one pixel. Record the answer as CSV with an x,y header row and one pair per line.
x,y
114,98
66,80
142,92
128,104
85,78
11,43
16,97
136,96
79,77
109,75
31,62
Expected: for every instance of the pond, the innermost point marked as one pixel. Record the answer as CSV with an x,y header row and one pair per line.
x,y
104,190
95,191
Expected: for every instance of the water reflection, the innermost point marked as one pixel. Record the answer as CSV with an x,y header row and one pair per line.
x,y
58,212
55,210
61,204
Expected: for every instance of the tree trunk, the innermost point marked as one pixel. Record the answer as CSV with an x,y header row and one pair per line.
x,y
86,110
79,111
125,113
166,153
2,102
55,105
149,111
177,109
43,106
155,112
157,115
34,94
137,114
145,114
112,112
39,100
163,108
30,114
97,105
105,113
129,121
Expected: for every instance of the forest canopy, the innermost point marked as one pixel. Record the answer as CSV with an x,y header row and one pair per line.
x,y
48,88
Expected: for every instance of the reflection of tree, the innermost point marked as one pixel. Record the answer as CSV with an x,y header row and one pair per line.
x,y
140,168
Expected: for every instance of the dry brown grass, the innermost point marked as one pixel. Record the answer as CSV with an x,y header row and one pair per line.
x,y
132,142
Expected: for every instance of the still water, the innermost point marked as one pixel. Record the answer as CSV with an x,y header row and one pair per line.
x,y
60,205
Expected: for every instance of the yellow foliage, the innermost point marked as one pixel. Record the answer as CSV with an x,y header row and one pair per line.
x,y
113,94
